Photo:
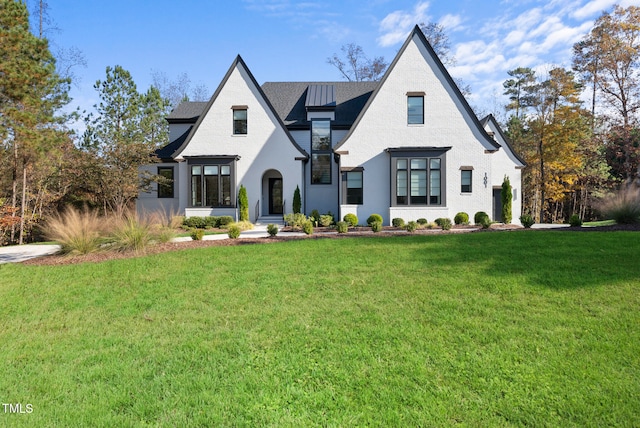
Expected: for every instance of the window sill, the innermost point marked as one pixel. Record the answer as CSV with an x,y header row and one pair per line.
x,y
238,135
415,125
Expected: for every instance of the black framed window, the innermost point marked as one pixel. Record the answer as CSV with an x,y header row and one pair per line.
x,y
165,189
239,121
465,180
320,152
415,109
211,186
417,176
353,187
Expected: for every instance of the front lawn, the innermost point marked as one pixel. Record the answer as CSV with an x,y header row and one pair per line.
x,y
537,328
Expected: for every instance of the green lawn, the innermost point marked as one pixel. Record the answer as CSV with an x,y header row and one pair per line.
x,y
537,328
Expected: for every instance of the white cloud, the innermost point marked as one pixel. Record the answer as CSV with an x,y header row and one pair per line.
x,y
594,7
451,22
396,25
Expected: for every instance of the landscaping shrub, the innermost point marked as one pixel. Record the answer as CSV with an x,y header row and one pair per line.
x,y
315,216
243,225
296,221
374,218
342,227
326,220
422,221
485,222
195,222
622,206
445,223
307,227
376,226
211,221
234,231
197,234
243,203
478,216
297,201
224,221
439,221
527,220
272,230
461,218
352,219
411,226
77,232
164,234
575,220
506,196
397,222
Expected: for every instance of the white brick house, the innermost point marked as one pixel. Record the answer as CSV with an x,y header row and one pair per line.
x,y
408,146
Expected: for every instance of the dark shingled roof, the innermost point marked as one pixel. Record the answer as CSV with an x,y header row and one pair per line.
x,y
288,99
186,112
166,152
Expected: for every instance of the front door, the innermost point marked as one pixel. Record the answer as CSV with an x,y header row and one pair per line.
x,y
497,204
275,195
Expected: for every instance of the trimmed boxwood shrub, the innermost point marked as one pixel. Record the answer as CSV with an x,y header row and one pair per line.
x,y
195,222
478,216
342,227
411,226
422,221
234,231
376,226
211,221
527,220
225,220
352,219
461,218
374,218
397,222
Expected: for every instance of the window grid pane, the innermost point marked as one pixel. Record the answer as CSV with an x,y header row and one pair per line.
x,y
321,169
465,179
239,122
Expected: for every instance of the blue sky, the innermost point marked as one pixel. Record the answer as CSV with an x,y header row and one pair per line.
x,y
282,40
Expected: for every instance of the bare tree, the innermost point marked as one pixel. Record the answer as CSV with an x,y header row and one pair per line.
x,y
355,66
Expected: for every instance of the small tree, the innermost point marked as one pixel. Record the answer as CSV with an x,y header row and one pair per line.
x,y
297,202
506,196
243,202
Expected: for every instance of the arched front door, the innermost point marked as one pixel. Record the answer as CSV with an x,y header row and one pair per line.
x,y
273,198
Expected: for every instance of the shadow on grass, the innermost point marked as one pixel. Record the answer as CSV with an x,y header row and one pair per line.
x,y
543,258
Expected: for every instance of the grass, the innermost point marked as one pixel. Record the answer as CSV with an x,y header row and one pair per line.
x,y
519,328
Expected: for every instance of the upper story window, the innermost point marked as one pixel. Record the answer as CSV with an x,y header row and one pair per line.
x,y
165,188
239,120
321,152
415,109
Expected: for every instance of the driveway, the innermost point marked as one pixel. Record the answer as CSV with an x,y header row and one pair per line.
x,y
20,253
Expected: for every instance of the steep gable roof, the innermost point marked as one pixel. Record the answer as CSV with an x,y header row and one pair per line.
x,y
491,119
418,32
238,62
289,98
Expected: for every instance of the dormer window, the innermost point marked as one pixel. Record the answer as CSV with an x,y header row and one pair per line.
x,y
239,120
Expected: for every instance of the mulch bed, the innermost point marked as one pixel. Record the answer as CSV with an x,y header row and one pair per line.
x,y
319,233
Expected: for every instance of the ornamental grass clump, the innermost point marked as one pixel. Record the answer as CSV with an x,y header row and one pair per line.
x,y
527,220
307,227
197,234
622,206
77,232
132,233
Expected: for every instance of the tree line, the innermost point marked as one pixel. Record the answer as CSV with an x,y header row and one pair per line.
x,y
44,165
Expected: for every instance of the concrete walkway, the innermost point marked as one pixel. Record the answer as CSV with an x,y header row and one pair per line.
x,y
20,253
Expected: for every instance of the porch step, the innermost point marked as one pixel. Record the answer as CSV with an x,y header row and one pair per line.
x,y
267,219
